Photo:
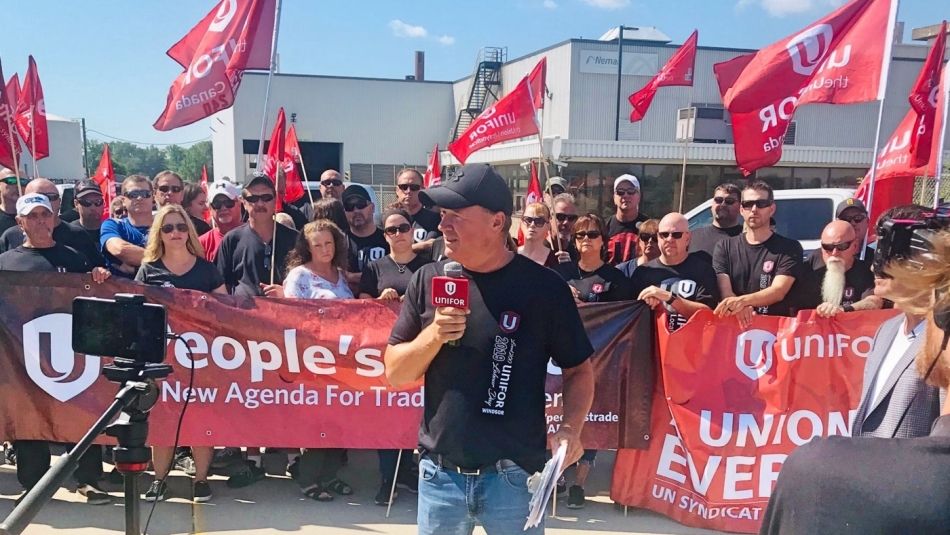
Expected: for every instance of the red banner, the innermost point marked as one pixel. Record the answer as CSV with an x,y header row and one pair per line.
x,y
235,36
741,401
510,118
679,70
538,81
31,114
263,366
105,178
840,59
433,174
923,100
293,187
9,144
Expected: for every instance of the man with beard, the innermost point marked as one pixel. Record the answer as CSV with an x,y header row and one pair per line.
x,y
331,184
425,223
225,213
562,227
367,242
89,205
834,281
624,227
725,222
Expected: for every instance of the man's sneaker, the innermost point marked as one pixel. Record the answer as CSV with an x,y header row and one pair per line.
x,y
407,482
156,492
382,497
201,492
94,496
226,457
561,488
249,474
115,477
575,497
185,462
9,454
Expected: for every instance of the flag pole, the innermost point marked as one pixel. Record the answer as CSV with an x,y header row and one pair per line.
x,y
16,163
270,77
305,179
36,164
691,119
938,170
873,176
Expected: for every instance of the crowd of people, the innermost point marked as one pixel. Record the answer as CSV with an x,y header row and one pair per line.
x,y
156,232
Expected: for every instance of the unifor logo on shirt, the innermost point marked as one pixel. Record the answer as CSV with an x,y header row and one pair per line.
x,y
365,256
502,362
419,234
767,266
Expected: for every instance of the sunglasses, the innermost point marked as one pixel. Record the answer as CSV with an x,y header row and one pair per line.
x,y
591,234
647,237
11,181
53,197
331,182
840,247
218,204
173,189
534,221
760,204
409,187
728,201
623,192
855,219
253,199
398,229
121,212
87,204
355,205
565,217
180,227
139,194
666,235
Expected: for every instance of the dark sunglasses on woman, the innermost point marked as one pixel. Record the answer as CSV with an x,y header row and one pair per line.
x,y
592,234
398,229
180,227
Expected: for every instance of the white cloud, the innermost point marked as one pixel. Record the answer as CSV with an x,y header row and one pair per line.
x,y
608,4
550,4
781,8
403,29
447,40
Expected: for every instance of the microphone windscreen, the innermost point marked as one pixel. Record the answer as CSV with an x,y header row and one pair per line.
x,y
454,269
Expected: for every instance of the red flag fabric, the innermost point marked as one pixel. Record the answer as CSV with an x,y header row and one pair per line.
x,y
510,118
293,187
206,214
13,91
233,37
105,178
433,175
678,70
531,196
274,158
538,82
923,100
840,59
31,114
9,144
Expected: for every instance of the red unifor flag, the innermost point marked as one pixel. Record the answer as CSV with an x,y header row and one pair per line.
x,y
105,178
9,144
235,36
293,187
31,114
510,118
840,59
206,214
679,70
533,195
13,91
538,81
923,100
433,175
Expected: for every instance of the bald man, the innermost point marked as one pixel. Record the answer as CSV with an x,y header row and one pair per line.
x,y
678,282
63,233
331,185
838,282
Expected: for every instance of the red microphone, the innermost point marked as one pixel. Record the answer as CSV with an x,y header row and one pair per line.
x,y
451,290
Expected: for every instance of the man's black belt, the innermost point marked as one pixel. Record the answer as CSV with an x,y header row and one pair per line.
x,y
489,468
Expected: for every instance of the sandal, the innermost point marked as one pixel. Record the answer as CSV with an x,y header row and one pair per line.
x,y
339,486
318,492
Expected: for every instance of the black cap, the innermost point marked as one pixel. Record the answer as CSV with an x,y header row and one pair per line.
x,y
87,187
262,180
850,203
355,190
476,184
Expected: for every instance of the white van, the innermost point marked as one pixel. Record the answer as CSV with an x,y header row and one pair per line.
x,y
801,215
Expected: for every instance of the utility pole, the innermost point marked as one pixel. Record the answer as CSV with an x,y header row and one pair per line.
x,y
620,30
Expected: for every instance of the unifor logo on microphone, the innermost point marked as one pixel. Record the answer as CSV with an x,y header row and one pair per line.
x,y
449,292
754,353
50,361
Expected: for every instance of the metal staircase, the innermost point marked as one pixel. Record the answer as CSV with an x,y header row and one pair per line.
x,y
486,86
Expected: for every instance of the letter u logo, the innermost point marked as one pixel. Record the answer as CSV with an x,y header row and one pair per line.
x,y
450,288
509,322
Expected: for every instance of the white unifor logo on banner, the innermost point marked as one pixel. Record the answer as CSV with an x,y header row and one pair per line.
x,y
754,353
68,382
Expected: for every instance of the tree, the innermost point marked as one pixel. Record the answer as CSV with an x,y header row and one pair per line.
x,y
129,158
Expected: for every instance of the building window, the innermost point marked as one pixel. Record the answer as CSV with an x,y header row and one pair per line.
x,y
810,177
777,177
845,178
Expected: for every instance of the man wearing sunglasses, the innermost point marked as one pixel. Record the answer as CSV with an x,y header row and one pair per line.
x,y
562,231
425,223
62,232
725,222
123,240
225,208
367,241
853,212
838,282
680,282
331,184
624,226
756,269
169,188
89,205
9,193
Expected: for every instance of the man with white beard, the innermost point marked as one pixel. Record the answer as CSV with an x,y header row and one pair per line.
x,y
834,281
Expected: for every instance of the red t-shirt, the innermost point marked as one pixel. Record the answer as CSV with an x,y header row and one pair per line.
x,y
211,241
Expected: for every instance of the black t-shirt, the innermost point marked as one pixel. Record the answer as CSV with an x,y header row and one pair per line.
x,y
244,260
704,239
58,258
752,268
203,276
622,239
201,226
425,225
7,221
692,279
92,233
384,273
437,251
864,485
364,250
858,283
63,233
602,285
69,215
484,398
296,214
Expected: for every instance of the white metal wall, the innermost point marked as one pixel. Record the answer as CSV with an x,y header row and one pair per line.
x,y
65,152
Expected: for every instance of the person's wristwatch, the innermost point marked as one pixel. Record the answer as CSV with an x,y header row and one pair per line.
x,y
671,299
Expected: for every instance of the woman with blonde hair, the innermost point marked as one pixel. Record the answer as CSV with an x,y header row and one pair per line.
x,y
535,227
174,258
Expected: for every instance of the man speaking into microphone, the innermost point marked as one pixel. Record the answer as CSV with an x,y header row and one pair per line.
x,y
485,361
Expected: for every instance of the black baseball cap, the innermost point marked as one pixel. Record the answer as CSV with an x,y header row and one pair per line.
x,y
355,190
476,184
262,180
87,187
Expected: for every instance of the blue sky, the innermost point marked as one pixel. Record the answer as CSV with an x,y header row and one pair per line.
x,y
105,59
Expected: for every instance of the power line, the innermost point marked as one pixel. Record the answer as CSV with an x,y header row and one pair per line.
x,y
144,143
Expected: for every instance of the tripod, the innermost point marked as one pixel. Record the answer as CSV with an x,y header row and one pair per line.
x,y
135,398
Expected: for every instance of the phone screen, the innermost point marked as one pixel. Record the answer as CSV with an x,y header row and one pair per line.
x,y
109,328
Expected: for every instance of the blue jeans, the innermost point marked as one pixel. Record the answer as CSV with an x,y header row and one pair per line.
x,y
451,503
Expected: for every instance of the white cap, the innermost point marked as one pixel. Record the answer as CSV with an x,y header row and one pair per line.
x,y
223,187
27,203
627,178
